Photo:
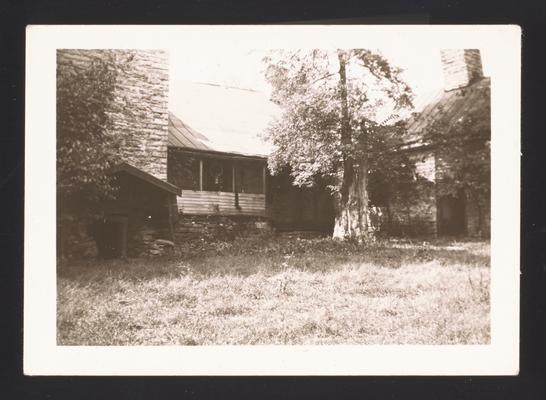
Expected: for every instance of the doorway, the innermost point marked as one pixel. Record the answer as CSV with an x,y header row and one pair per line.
x,y
112,238
451,216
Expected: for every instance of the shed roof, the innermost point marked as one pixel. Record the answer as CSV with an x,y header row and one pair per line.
x,y
217,118
136,172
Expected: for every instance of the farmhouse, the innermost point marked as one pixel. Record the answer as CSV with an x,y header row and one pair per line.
x,y
193,162
419,206
221,167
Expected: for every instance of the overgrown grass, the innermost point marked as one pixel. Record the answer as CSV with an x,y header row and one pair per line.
x,y
281,291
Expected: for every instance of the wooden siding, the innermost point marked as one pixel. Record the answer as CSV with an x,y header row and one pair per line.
x,y
298,208
220,203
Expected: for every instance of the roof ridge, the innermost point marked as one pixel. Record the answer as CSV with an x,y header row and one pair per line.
x,y
224,86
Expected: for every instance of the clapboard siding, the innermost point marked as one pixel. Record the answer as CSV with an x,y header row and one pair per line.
x,y
221,203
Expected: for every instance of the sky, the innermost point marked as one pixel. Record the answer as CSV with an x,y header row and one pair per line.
x,y
244,68
215,111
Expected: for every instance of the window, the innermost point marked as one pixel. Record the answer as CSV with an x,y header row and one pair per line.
x,y
249,177
183,171
217,175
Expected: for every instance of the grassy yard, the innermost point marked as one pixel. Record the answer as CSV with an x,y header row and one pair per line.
x,y
281,291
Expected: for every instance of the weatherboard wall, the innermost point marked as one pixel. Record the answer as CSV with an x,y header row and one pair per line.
x,y
195,202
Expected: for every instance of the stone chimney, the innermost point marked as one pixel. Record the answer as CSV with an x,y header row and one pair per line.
x,y
462,67
142,87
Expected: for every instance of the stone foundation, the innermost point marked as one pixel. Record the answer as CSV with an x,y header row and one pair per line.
x,y
217,227
150,242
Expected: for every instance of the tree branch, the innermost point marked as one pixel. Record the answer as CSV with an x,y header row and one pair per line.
x,y
323,77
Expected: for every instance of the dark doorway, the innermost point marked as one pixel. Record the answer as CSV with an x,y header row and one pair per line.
x,y
451,216
112,238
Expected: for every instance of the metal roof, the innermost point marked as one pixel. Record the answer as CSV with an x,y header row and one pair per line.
x,y
182,135
217,118
450,106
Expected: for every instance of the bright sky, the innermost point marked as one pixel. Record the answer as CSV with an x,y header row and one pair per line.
x,y
244,68
214,111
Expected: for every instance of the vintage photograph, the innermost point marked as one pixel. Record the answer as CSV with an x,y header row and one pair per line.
x,y
250,196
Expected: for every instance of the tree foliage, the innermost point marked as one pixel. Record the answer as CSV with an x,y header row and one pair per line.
x,y
87,143
308,135
462,147
332,126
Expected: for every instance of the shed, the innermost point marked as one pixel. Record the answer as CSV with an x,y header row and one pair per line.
x,y
143,210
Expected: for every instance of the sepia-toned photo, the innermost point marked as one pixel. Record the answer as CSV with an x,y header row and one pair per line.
x,y
285,196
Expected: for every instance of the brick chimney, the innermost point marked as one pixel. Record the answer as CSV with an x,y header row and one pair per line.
x,y
462,67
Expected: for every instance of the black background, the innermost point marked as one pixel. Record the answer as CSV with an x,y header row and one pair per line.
x,y
531,16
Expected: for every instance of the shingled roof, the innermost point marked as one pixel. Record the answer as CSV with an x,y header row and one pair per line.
x,y
217,118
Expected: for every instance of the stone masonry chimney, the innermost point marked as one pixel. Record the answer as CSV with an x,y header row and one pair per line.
x,y
461,67
144,85
142,88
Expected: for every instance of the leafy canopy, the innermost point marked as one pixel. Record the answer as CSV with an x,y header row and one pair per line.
x,y
308,135
463,146
87,143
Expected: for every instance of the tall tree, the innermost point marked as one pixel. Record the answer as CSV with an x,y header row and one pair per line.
x,y
334,104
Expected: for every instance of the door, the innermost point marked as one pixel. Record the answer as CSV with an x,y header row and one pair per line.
x,y
451,216
112,240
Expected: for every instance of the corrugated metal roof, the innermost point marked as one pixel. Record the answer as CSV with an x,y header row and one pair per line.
x,y
449,106
182,135
218,118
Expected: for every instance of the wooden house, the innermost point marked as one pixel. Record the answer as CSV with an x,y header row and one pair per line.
x,y
143,210
221,166
194,161
198,168
214,181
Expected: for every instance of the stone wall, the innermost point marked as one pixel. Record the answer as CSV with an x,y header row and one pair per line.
x,y
142,91
218,227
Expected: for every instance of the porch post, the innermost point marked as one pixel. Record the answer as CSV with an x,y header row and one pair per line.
x,y
263,179
233,178
170,215
201,174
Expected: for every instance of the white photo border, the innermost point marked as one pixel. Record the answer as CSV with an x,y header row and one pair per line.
x,y
42,356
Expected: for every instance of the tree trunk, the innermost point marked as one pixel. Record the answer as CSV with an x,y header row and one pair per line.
x,y
351,217
351,214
